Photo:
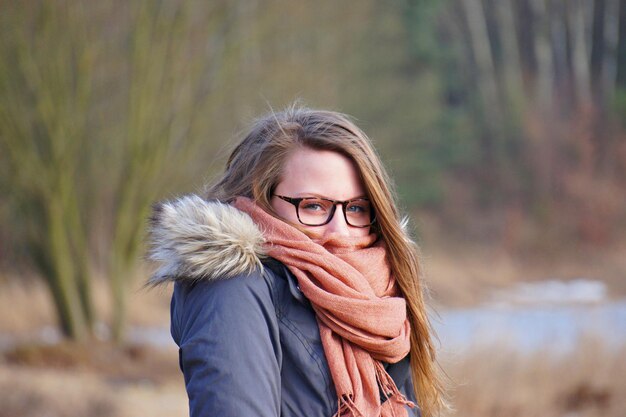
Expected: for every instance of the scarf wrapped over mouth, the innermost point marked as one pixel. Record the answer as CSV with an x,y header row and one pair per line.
x,y
360,310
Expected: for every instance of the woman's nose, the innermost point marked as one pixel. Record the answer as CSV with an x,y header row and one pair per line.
x,y
337,224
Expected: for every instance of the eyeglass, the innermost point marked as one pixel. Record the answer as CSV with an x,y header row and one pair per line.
x,y
317,211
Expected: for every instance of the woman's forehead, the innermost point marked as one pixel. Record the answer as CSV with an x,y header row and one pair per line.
x,y
322,173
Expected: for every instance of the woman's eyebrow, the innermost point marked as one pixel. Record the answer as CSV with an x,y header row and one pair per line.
x,y
317,195
305,194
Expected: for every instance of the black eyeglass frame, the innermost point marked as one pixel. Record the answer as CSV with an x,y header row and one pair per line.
x,y
296,202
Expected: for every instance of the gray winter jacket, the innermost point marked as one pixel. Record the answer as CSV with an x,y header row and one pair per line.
x,y
249,343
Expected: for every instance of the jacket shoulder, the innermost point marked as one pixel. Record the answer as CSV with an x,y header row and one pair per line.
x,y
243,295
229,342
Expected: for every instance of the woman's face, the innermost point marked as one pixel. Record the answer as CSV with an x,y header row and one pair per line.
x,y
327,174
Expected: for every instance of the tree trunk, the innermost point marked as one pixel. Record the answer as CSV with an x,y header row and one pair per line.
x,y
481,50
620,77
510,54
81,258
579,51
561,55
526,28
545,67
62,276
598,51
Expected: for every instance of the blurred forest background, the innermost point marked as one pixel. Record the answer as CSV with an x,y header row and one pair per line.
x,y
502,121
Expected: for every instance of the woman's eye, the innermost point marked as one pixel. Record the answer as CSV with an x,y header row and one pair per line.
x,y
358,208
313,206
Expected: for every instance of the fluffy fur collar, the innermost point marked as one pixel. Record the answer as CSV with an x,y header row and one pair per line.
x,y
194,239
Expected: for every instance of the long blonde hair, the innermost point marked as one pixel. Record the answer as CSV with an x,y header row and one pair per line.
x,y
254,169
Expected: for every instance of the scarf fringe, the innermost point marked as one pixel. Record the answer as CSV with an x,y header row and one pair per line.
x,y
389,388
347,407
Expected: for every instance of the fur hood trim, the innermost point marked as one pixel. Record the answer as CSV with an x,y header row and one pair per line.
x,y
194,239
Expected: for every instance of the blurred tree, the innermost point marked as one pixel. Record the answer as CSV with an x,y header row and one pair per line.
x,y
165,102
90,118
621,46
536,80
44,112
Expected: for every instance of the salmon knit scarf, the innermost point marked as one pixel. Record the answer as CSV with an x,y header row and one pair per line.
x,y
360,312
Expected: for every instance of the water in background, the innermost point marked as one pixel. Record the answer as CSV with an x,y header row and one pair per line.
x,y
551,315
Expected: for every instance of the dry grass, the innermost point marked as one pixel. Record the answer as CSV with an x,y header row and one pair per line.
x,y
499,382
130,363
84,380
26,306
99,381
37,392
462,276
90,380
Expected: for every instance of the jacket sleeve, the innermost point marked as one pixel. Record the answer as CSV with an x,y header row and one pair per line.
x,y
229,348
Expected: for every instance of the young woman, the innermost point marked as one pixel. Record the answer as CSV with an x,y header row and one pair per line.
x,y
297,290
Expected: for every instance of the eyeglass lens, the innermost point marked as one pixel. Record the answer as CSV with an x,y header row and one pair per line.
x,y
317,211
